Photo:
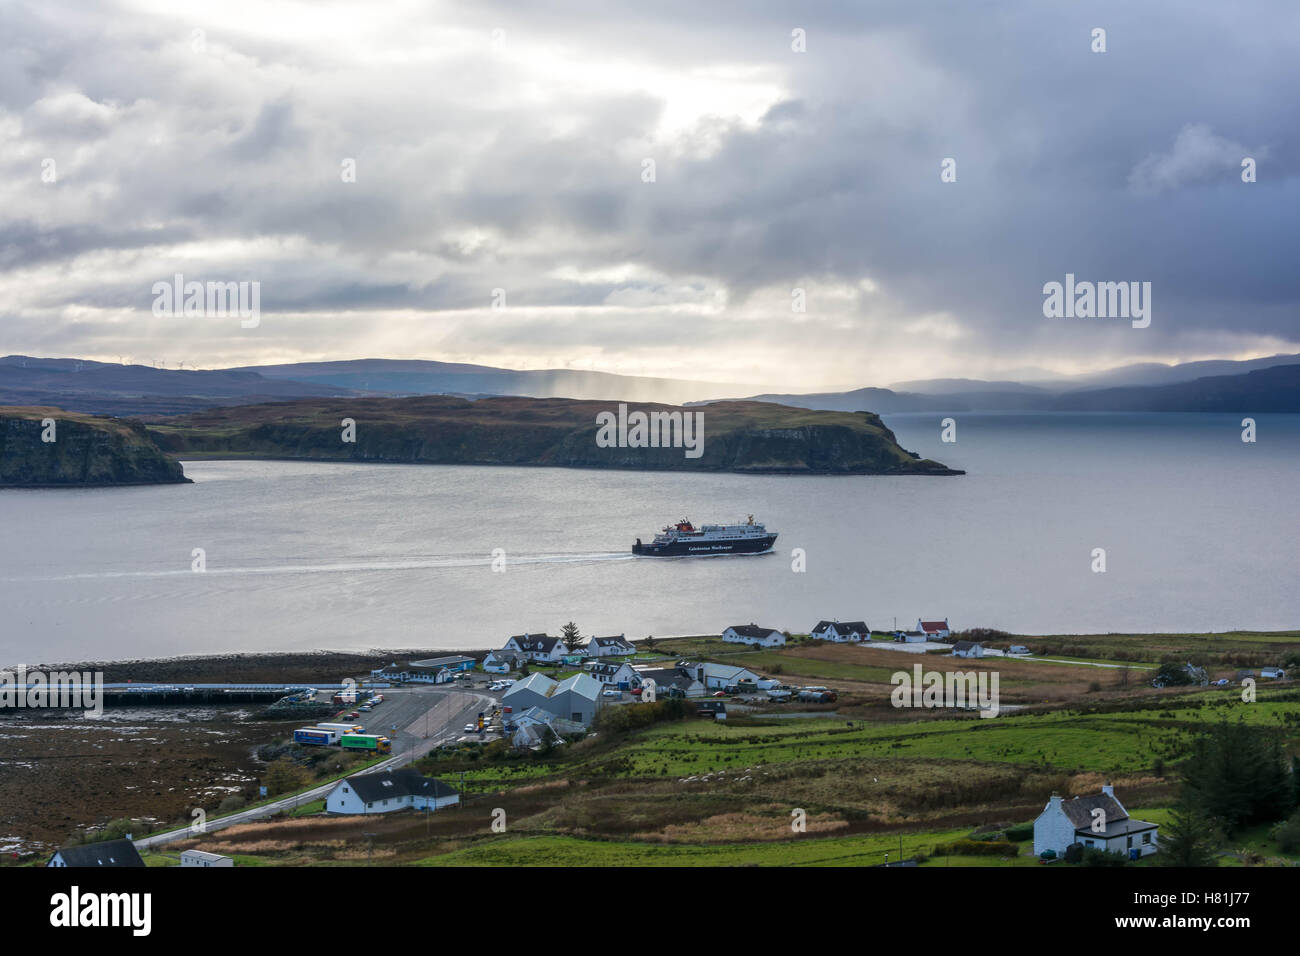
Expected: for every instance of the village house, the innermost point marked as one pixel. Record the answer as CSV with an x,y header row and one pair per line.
x,y
538,647
610,647
934,630
388,791
1064,822
205,859
753,635
910,637
1273,673
847,632
503,662
574,698
112,853
531,728
614,673
967,649
719,676
435,670
672,682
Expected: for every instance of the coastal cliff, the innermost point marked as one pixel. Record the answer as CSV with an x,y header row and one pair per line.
x,y
84,450
751,437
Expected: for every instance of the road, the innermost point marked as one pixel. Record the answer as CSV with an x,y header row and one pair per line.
x,y
415,718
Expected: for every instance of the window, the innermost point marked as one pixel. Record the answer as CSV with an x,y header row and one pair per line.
x,y
1146,837
1130,843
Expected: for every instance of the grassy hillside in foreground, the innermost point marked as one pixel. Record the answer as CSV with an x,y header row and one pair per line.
x,y
751,437
77,450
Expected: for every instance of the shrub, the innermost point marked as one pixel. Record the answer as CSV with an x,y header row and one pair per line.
x,y
1021,833
976,848
1287,834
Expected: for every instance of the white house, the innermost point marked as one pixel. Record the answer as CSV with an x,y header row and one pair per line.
x,y
672,682
967,649
719,676
203,858
841,632
753,635
1095,821
538,647
1272,673
910,637
934,630
113,853
613,673
610,647
389,790
502,662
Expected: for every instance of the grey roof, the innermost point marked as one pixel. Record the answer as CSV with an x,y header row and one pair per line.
x,y
619,641
606,667
667,675
822,627
752,630
1116,828
1079,810
850,627
964,645
107,853
398,783
442,661
584,685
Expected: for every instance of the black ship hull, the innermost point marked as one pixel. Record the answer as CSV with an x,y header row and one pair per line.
x,y
677,549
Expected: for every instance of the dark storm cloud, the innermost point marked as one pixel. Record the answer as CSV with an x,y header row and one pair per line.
x,y
518,166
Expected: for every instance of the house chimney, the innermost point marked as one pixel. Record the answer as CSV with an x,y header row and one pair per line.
x,y
1055,802
1108,790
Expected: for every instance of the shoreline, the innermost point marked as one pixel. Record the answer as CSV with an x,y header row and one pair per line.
x,y
308,665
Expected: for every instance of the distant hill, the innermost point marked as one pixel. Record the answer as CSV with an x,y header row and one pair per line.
x,y
105,388
419,377
747,437
85,451
879,400
1274,389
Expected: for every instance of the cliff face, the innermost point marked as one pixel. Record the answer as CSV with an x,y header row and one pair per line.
x,y
85,451
737,436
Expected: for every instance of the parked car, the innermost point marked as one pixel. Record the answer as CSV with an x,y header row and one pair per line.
x,y
1221,682
470,728
613,694
719,693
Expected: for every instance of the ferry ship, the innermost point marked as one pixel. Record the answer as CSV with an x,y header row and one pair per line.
x,y
684,539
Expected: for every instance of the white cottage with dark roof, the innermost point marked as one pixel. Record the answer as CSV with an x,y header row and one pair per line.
x,y
389,790
1099,820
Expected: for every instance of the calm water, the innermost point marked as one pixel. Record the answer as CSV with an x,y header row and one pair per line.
x,y
1200,532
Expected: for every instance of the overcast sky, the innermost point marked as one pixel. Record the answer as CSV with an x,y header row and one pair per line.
x,y
496,148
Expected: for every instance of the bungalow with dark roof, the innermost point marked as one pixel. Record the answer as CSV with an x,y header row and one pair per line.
x,y
841,632
108,853
389,790
1097,821
967,649
609,647
753,635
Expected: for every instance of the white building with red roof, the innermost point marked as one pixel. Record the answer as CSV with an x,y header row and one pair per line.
x,y
934,630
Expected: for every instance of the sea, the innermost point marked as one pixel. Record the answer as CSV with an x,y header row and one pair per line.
x,y
1063,524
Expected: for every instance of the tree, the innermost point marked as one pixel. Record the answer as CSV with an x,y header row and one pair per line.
x,y
1238,775
1189,838
572,639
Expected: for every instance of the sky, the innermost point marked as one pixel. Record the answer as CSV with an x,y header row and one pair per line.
x,y
471,182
